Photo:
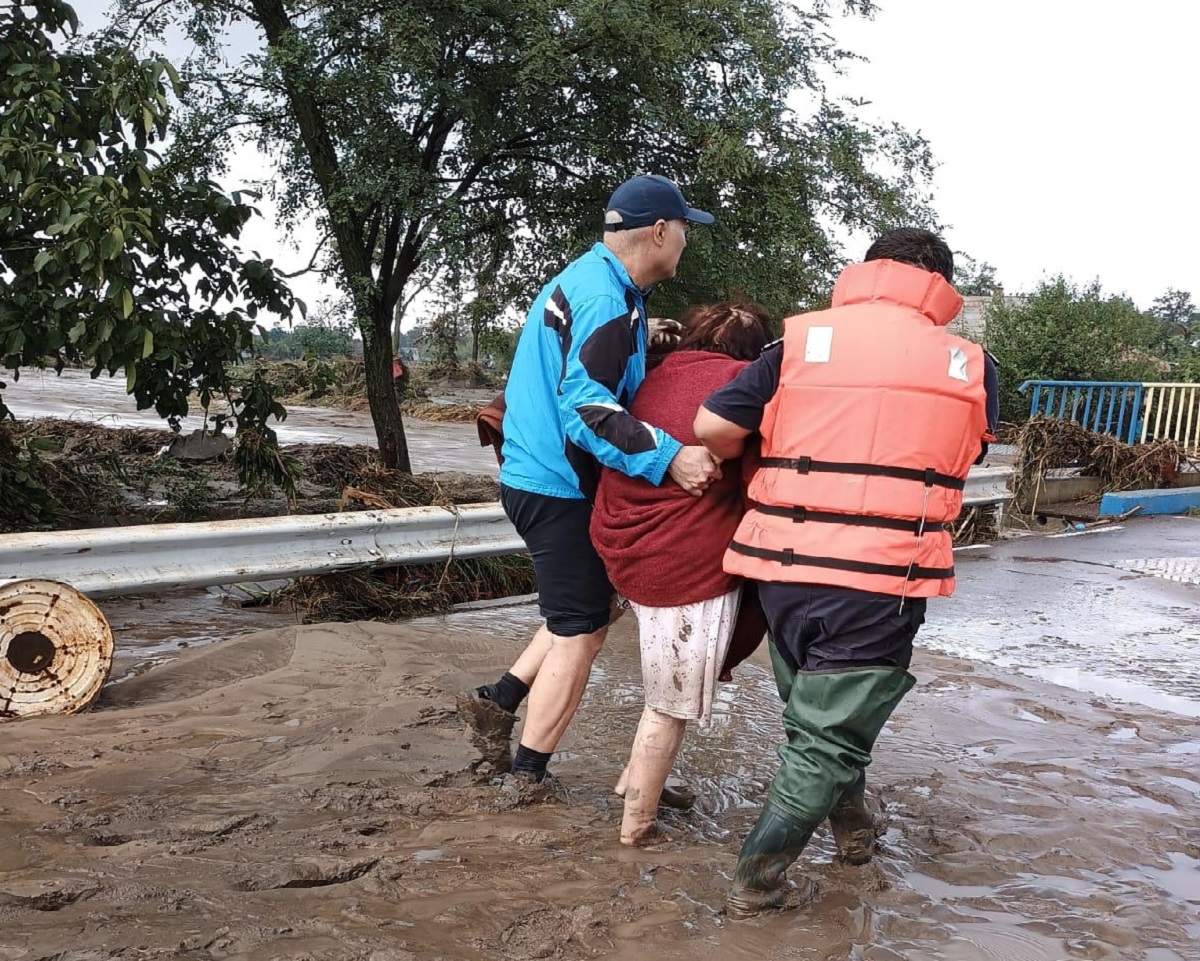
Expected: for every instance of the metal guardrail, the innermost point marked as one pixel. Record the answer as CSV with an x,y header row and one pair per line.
x,y
160,557
1132,412
145,559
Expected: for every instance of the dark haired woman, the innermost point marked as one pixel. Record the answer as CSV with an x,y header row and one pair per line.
x,y
663,547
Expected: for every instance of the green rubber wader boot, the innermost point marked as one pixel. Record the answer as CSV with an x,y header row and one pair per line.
x,y
832,720
759,883
853,825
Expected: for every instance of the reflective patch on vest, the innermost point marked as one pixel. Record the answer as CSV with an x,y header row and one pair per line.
x,y
818,345
958,364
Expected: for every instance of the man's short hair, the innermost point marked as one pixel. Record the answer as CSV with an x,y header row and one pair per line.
x,y
920,248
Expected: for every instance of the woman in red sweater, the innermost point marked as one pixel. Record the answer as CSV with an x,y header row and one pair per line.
x,y
663,549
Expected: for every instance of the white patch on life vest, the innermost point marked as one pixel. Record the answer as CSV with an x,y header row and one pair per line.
x,y
818,345
958,364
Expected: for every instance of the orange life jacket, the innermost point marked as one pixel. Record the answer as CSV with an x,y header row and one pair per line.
x,y
868,439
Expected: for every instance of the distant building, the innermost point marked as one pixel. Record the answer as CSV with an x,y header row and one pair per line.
x,y
971,321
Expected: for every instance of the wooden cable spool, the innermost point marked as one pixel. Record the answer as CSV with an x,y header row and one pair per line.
x,y
56,649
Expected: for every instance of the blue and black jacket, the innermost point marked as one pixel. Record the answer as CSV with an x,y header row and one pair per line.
x,y
580,358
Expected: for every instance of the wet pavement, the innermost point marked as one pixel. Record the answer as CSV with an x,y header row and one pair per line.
x,y
1113,611
75,396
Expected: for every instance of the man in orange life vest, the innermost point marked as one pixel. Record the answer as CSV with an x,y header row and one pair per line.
x,y
871,415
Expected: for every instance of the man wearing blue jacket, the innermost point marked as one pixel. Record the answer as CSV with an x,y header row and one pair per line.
x,y
579,360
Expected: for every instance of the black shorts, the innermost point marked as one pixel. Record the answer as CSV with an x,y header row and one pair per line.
x,y
820,628
574,594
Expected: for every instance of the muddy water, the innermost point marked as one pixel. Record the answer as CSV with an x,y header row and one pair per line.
x,y
75,396
308,793
154,629
1037,891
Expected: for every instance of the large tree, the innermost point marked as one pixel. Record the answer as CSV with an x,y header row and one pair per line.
x,y
416,131
108,257
1176,308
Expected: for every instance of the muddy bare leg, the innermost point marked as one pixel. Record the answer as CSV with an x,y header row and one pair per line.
x,y
654,749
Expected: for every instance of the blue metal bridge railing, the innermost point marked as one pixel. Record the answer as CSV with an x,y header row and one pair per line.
x,y
1130,411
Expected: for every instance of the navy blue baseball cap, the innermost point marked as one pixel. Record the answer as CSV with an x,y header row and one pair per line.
x,y
643,201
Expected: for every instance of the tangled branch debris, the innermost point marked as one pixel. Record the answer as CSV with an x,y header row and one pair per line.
x,y
975,525
1044,445
409,591
442,413
412,590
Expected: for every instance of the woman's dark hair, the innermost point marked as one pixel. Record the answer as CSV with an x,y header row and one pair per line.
x,y
739,330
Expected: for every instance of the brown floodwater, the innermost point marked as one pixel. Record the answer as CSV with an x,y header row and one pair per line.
x,y
307,792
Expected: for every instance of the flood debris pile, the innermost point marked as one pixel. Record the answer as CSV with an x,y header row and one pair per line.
x,y
442,413
975,525
401,592
1044,445
339,382
374,486
408,591
62,474
79,474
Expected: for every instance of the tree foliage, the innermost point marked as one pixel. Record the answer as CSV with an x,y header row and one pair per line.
x,y
418,133
318,340
1175,308
109,257
1178,335
973,278
1065,331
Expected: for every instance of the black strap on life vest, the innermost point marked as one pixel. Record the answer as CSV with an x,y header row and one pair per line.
x,y
788,558
802,515
806,465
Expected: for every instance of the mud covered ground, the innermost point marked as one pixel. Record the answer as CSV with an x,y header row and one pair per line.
x,y
307,792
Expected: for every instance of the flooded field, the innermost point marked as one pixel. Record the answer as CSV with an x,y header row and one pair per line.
x,y
75,396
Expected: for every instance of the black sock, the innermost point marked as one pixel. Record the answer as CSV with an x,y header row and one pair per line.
x,y
529,761
509,692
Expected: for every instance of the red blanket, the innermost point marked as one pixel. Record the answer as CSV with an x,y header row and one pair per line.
x,y
663,547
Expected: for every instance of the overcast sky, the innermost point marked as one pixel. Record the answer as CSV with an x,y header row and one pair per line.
x,y
1062,129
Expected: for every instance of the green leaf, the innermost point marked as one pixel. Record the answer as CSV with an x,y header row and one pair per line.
x,y
130,378
41,260
76,332
148,344
127,306
112,243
